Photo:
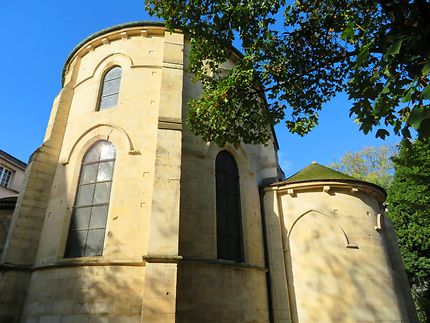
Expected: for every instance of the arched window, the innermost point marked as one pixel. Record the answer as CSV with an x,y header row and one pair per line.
x,y
229,220
89,217
110,88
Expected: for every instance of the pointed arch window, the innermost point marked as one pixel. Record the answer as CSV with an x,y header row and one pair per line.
x,y
228,213
110,88
88,223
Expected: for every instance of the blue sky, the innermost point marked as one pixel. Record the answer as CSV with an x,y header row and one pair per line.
x,y
37,38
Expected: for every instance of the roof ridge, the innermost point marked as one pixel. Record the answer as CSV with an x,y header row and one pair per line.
x,y
317,172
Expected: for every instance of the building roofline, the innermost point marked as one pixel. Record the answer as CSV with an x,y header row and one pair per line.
x,y
315,172
345,181
141,24
105,31
13,160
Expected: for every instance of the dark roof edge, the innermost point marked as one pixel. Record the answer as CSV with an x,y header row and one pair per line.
x,y
375,186
104,31
118,27
14,160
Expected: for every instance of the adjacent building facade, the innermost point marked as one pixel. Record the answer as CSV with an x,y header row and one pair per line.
x,y
11,180
126,216
11,175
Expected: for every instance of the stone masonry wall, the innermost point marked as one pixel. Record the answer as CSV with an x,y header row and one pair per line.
x,y
334,253
24,234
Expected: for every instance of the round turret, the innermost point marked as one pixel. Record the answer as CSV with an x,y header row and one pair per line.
x,y
341,262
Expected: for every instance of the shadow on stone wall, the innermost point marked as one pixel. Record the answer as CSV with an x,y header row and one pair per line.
x,y
87,289
332,283
209,290
87,292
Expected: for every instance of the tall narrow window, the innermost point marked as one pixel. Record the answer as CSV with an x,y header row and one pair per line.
x,y
229,220
110,88
89,217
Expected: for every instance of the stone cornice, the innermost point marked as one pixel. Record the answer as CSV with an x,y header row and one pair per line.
x,y
122,31
108,35
326,186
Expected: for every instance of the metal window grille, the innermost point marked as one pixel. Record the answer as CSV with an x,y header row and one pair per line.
x,y
110,88
5,176
88,223
228,211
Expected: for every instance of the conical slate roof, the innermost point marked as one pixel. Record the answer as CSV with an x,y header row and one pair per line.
x,y
316,172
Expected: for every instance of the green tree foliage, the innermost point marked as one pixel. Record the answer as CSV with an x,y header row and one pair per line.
x,y
372,164
406,177
409,210
409,207
300,56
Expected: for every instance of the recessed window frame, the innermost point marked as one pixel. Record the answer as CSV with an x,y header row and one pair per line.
x,y
228,209
95,221
102,88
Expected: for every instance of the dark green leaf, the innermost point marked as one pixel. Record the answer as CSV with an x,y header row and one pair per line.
x,y
382,133
425,94
426,69
394,49
407,96
348,32
364,54
418,114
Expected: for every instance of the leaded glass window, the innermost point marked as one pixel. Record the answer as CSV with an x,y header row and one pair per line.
x,y
5,176
228,214
89,217
110,88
